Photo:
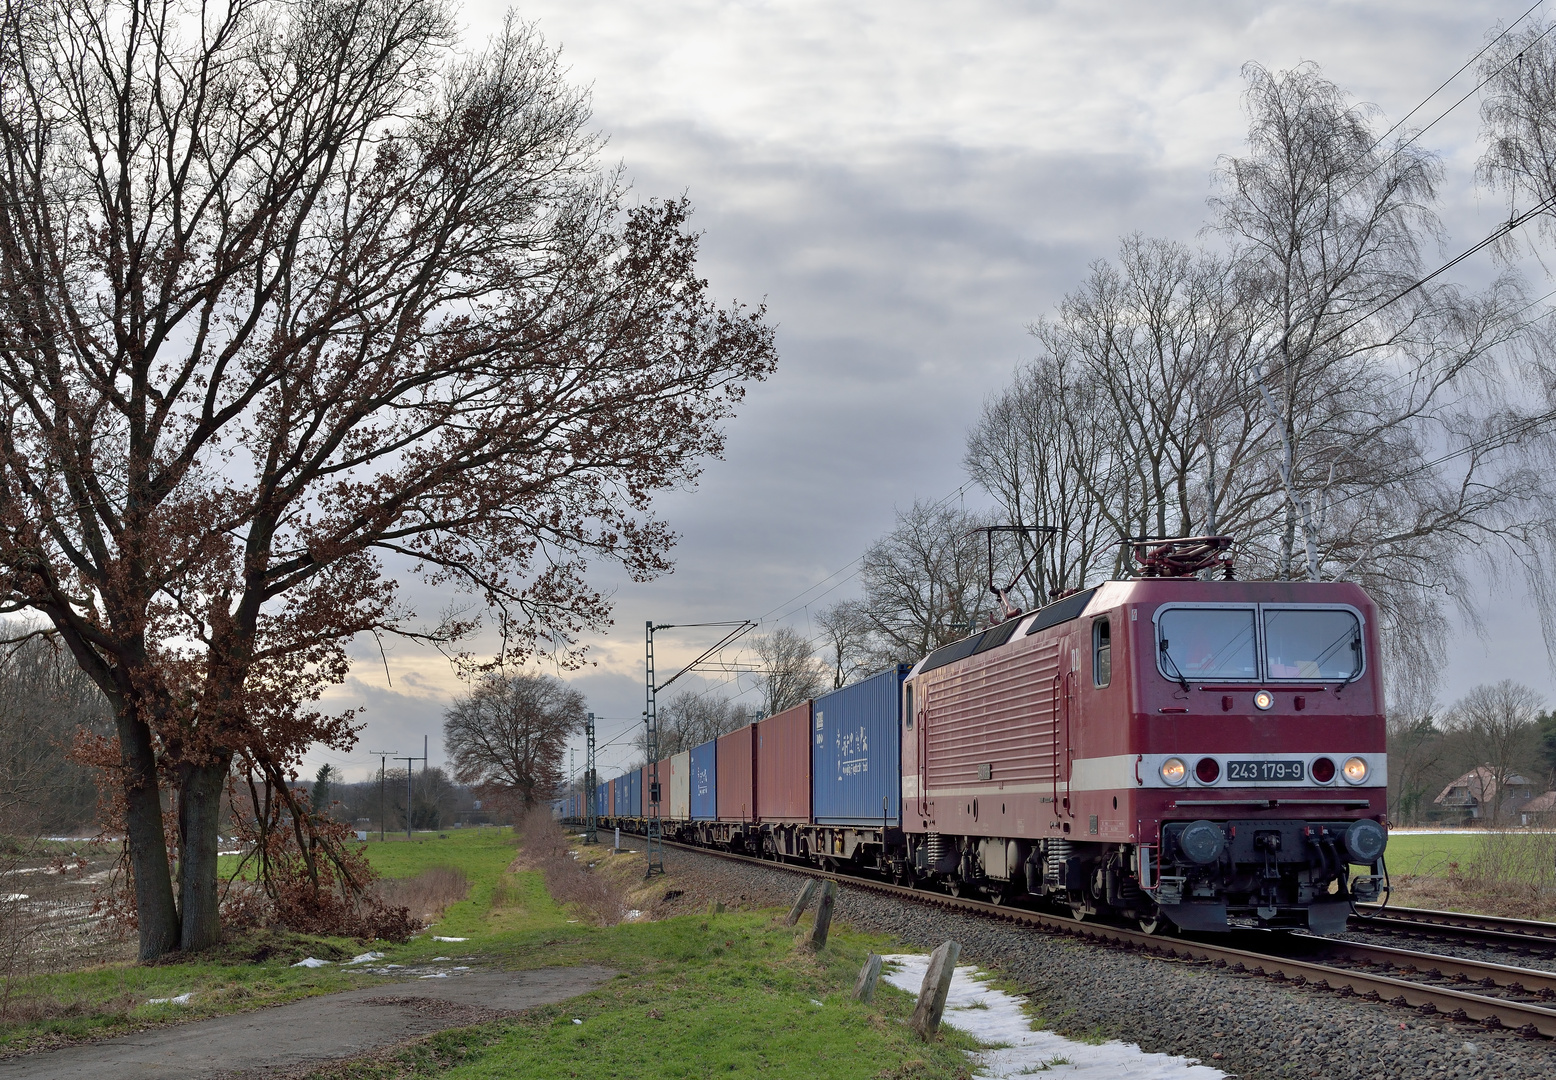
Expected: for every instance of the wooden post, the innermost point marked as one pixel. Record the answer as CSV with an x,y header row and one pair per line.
x,y
819,928
801,902
932,995
864,988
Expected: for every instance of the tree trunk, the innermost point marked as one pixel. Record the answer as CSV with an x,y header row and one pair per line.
x,y
199,806
154,908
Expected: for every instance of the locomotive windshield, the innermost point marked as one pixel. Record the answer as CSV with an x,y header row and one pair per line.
x,y
1312,644
1208,643
1317,644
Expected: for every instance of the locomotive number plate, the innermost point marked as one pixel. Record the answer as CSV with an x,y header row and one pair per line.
x,y
1264,771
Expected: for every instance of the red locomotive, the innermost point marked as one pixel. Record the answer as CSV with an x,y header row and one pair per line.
x,y
1208,753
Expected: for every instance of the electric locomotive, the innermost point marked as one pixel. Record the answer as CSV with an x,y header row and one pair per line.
x,y
1166,749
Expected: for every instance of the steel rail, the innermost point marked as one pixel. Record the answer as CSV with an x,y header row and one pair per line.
x,y
1526,1018
1523,933
1505,977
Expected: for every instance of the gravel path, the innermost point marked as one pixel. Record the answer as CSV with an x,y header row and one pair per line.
x,y
1247,1026
294,1039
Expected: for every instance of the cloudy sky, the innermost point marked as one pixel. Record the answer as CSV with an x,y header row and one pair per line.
x,y
908,185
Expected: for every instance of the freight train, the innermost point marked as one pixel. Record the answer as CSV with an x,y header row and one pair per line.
x,y
1164,749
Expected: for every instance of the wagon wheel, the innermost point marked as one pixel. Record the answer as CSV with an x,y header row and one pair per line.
x,y
1078,911
956,887
902,874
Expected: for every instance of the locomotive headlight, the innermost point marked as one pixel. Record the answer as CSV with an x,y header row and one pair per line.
x,y
1174,771
1354,770
1263,700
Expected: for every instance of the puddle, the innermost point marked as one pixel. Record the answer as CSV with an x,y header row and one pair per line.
x,y
995,1017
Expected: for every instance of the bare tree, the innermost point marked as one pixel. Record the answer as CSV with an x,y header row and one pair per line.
x,y
789,672
289,291
847,635
1305,393
691,718
1416,750
46,704
507,736
926,581
1498,725
1038,448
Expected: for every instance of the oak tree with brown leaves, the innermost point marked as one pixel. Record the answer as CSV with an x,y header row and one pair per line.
x,y
294,297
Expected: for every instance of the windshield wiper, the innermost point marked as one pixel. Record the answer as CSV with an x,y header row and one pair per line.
x,y
1356,649
1182,681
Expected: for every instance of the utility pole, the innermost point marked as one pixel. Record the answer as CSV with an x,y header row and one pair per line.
x,y
656,847
383,806
656,844
408,761
591,783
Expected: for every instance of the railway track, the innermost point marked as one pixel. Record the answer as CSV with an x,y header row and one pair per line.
x,y
1524,935
1493,995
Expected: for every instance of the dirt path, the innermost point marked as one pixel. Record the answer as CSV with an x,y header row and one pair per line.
x,y
276,1042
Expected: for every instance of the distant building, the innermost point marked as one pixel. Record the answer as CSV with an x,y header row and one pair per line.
x,y
1540,810
1474,794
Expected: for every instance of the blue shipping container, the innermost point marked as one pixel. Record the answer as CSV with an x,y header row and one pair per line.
x,y
634,793
856,752
705,802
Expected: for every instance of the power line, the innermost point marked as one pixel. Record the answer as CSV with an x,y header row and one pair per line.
x,y
1440,116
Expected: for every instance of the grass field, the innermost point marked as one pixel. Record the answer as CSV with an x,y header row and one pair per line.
x,y
695,996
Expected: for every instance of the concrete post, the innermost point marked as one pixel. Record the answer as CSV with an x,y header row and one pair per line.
x,y
801,902
819,929
932,995
864,988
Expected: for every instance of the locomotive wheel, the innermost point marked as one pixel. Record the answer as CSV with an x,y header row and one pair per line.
x,y
955,886
1155,924
1079,913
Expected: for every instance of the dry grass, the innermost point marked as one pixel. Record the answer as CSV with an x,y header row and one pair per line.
x,y
427,894
569,879
1512,874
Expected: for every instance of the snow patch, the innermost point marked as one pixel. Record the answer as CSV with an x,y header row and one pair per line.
x,y
181,999
995,1017
312,961
363,958
436,938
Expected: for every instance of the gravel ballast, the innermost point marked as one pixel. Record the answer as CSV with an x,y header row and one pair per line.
x,y
1246,1025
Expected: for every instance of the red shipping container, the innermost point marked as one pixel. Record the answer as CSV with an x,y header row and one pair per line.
x,y
735,761
783,766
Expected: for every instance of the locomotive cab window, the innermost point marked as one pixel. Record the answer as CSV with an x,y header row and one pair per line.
x,y
1101,653
1207,643
1312,643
